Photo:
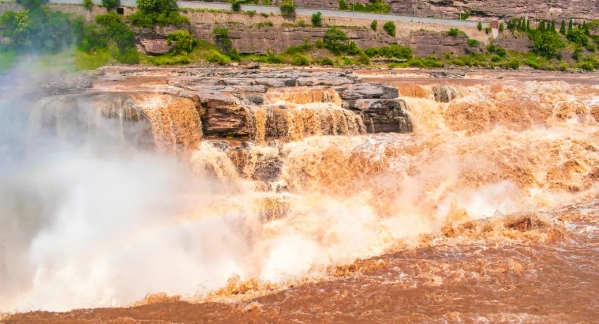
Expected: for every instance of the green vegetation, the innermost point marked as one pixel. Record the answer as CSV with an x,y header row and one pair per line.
x,y
157,12
454,32
110,33
374,25
317,19
390,28
32,4
111,4
392,51
88,4
472,42
375,6
223,42
479,26
236,6
288,8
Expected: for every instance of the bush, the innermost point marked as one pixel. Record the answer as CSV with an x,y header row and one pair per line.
x,y
181,41
222,38
496,58
234,55
32,4
591,47
111,4
501,52
149,20
236,6
88,4
374,25
479,26
156,6
265,15
214,56
390,28
300,60
488,30
317,19
377,6
363,58
288,8
335,40
453,32
547,43
513,64
501,27
588,66
472,42
327,61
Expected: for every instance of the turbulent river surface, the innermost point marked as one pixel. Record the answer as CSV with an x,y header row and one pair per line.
x,y
487,212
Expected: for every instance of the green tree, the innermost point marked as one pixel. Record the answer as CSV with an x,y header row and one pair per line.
x,y
32,4
562,29
479,26
236,6
156,6
501,27
547,44
111,4
88,4
317,19
528,25
374,25
553,25
288,8
222,39
390,28
182,42
570,25
335,40
542,26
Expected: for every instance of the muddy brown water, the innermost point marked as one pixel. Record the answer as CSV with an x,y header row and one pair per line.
x,y
488,213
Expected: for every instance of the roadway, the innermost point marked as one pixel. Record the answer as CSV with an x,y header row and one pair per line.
x,y
303,12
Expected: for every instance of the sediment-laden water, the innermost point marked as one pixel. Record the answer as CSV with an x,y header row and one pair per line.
x,y
487,212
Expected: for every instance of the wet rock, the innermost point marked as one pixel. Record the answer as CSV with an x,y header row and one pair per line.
x,y
222,116
154,46
445,74
256,99
445,93
66,85
382,115
368,91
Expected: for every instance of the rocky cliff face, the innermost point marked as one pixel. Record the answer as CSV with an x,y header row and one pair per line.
x,y
484,9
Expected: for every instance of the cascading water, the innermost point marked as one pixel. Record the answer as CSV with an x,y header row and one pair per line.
x,y
312,192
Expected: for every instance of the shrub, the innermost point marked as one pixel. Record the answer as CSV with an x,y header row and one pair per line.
x,y
156,6
236,6
88,4
181,41
288,8
546,43
111,4
496,58
214,56
488,30
234,55
591,47
501,52
588,66
300,60
149,20
265,15
374,25
513,64
390,28
327,61
335,40
363,58
472,42
479,26
32,4
501,27
453,32
222,38
317,19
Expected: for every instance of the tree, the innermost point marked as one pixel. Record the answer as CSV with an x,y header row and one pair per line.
x,y
335,40
390,28
222,39
374,25
479,26
32,4
553,25
236,6
182,42
156,6
111,4
501,27
547,44
519,27
317,19
528,25
542,26
88,4
570,25
562,29
288,8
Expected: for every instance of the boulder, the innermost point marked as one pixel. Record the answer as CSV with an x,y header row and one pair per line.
x,y
382,115
158,46
368,91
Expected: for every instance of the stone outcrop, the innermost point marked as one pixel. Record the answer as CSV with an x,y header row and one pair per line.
x,y
485,9
426,43
368,90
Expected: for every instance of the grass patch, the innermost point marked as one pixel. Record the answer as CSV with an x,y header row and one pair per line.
x,y
93,60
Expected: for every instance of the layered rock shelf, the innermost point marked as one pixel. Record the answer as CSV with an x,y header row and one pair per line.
x,y
257,105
